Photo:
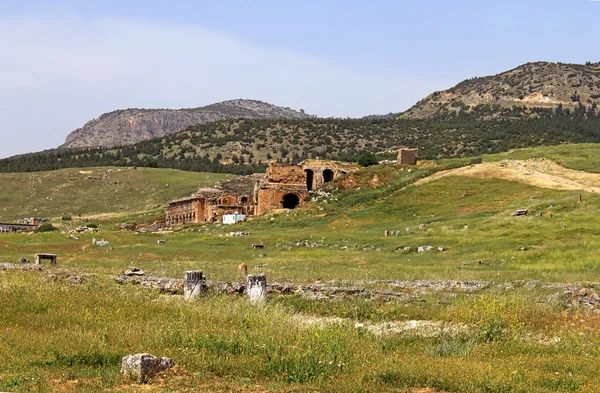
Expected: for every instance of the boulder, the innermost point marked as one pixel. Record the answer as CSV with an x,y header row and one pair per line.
x,y
143,366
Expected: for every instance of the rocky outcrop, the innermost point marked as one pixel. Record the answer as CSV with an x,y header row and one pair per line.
x,y
123,127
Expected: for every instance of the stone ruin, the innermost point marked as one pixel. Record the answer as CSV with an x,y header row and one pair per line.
x,y
406,157
283,186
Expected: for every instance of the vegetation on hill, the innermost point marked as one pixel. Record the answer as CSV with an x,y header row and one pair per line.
x,y
245,146
516,93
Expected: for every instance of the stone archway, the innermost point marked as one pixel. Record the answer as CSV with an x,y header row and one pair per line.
x,y
290,201
310,176
328,175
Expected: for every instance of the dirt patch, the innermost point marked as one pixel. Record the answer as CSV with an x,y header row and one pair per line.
x,y
421,329
542,173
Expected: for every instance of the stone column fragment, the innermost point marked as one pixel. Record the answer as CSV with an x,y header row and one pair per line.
x,y
256,288
193,284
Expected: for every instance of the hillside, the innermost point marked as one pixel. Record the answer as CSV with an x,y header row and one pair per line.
x,y
94,190
123,127
516,93
245,146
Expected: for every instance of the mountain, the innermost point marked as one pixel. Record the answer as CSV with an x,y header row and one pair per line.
x,y
128,126
516,93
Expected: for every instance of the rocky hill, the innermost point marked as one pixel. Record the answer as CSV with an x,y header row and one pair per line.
x,y
516,93
124,127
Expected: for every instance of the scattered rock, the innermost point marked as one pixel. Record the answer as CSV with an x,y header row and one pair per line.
x,y
126,227
133,271
100,243
237,234
424,248
160,241
143,366
23,260
520,212
20,266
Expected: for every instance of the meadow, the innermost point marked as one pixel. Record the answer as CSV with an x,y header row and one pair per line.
x,y
60,336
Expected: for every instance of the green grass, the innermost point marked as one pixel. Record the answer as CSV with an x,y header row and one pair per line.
x,y
582,157
59,337
54,333
109,190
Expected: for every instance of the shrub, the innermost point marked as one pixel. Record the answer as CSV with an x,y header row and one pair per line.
x,y
367,159
45,227
92,225
67,218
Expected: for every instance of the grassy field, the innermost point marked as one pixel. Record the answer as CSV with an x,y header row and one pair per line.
x,y
94,190
58,336
583,156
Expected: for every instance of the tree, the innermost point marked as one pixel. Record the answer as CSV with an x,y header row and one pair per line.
x,y
367,159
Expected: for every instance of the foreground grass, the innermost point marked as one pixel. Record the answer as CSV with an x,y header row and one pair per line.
x,y
61,337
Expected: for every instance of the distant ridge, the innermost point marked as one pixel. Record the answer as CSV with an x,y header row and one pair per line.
x,y
516,92
129,126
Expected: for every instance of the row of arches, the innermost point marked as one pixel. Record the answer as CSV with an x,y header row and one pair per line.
x,y
328,176
182,218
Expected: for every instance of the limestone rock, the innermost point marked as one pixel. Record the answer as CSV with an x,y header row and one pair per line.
x,y
133,271
143,366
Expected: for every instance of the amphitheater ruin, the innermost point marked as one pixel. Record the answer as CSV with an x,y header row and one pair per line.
x,y
283,186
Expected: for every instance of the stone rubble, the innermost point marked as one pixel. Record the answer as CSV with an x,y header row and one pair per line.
x,y
142,367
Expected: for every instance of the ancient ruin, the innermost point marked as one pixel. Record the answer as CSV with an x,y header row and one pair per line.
x,y
406,157
193,284
12,227
283,186
51,257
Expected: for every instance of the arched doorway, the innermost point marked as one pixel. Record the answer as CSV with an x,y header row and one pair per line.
x,y
290,201
327,175
244,201
310,175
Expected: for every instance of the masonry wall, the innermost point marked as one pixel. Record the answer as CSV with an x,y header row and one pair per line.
x,y
407,157
187,211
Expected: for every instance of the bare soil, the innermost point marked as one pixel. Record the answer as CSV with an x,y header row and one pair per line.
x,y
538,172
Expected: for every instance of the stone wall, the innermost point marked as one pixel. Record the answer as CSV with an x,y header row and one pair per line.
x,y
285,187
186,211
407,157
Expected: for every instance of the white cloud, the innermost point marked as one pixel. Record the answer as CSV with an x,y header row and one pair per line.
x,y
58,72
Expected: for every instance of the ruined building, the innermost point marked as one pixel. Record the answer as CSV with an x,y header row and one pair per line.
x,y
237,195
406,157
283,186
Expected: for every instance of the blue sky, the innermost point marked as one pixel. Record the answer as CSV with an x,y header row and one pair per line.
x,y
66,62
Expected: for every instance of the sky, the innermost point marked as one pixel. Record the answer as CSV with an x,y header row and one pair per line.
x,y
64,62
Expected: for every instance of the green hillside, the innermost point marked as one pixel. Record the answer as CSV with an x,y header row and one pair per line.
x,y
86,191
581,157
521,317
246,146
